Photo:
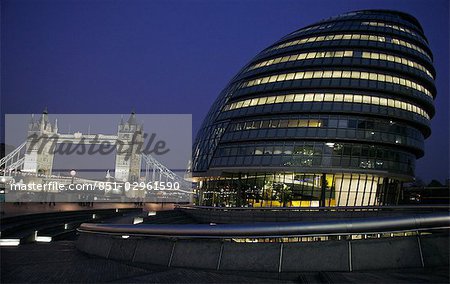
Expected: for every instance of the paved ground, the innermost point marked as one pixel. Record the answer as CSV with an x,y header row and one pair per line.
x,y
60,262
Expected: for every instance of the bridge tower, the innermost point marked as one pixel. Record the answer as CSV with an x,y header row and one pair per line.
x,y
128,150
39,148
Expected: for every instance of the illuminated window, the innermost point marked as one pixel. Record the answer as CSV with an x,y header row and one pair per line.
x,y
281,77
309,97
299,98
299,75
327,74
308,75
292,123
375,56
317,74
318,97
356,74
346,74
338,97
265,80
304,123
386,25
357,99
279,99
290,76
349,37
271,100
253,102
375,100
365,75
289,98
262,101
315,123
327,97
348,98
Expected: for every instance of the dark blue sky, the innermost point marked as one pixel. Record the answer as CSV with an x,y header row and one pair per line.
x,y
174,56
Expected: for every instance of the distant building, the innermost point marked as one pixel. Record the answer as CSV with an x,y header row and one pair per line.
x,y
333,114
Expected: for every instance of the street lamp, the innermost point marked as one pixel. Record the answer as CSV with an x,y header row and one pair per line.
x,y
72,174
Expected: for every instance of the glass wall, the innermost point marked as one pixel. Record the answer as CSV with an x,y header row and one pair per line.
x,y
294,189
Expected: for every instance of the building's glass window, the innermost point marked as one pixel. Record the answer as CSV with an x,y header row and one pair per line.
x,y
396,59
386,25
345,74
346,53
320,97
377,38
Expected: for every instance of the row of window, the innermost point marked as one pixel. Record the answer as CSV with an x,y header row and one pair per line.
x,y
344,74
316,162
327,121
386,25
327,97
314,149
323,133
396,59
317,27
351,37
297,189
338,54
354,23
346,128
302,56
276,123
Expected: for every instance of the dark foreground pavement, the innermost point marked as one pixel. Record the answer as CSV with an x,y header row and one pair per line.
x,y
61,262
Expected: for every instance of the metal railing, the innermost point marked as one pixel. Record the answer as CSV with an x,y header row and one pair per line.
x,y
330,208
413,222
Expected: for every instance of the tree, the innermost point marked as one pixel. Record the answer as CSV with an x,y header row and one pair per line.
x,y
435,183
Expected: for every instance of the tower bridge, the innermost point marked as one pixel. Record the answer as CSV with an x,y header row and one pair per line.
x,y
35,156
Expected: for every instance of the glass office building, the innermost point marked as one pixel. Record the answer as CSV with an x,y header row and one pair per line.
x,y
333,114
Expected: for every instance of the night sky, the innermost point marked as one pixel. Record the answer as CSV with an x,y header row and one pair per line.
x,y
174,56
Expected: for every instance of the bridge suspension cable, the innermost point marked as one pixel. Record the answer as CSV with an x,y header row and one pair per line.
x,y
14,160
155,171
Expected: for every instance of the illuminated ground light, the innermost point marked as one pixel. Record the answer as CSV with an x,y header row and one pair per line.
x,y
9,242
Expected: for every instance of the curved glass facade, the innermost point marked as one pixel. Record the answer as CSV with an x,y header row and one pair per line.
x,y
334,114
